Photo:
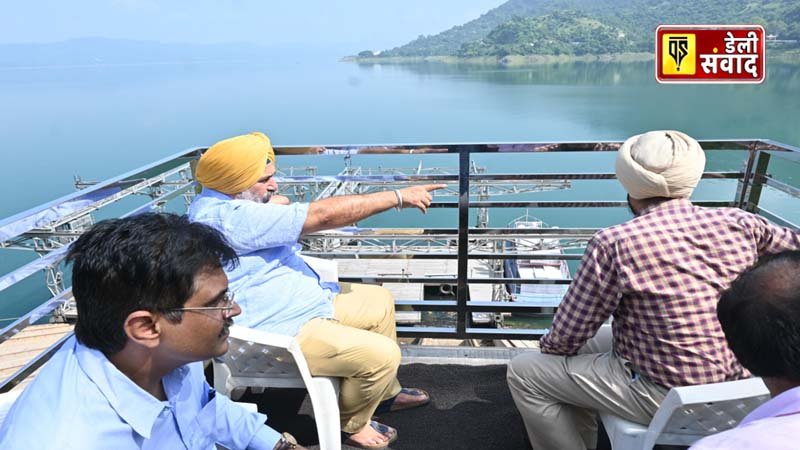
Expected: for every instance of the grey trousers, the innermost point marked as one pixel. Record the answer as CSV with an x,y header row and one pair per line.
x,y
559,396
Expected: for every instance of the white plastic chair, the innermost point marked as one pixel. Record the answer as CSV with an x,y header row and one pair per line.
x,y
688,414
259,359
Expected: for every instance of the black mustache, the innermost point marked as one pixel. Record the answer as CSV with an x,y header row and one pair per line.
x,y
226,325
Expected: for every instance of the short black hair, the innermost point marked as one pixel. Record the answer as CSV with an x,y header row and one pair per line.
x,y
145,262
760,315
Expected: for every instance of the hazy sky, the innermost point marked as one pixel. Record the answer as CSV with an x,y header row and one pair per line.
x,y
360,24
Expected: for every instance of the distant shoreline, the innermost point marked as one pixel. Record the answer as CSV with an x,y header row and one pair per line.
x,y
510,60
95,65
785,56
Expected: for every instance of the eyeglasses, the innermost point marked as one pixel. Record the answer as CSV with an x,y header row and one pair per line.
x,y
227,301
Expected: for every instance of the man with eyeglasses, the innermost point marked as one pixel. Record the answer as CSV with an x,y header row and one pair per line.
x,y
153,302
344,330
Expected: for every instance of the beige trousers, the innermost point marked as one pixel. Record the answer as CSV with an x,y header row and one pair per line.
x,y
360,346
558,396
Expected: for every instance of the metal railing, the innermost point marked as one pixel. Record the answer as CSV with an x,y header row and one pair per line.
x,y
169,179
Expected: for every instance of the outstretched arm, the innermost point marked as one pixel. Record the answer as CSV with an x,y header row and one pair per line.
x,y
344,210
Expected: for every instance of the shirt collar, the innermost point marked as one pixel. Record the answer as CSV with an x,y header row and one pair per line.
x,y
133,404
208,192
786,402
668,205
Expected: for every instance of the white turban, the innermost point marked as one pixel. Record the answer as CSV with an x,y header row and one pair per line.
x,y
660,164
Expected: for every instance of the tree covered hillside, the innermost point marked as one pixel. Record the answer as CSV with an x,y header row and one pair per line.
x,y
636,19
561,33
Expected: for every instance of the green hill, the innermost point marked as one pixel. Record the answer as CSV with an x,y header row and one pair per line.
x,y
560,33
494,33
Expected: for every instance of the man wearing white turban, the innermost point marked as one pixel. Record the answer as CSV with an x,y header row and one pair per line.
x,y
659,276
660,164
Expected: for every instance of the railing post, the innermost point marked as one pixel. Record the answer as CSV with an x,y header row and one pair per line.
x,y
463,240
748,193
757,181
744,181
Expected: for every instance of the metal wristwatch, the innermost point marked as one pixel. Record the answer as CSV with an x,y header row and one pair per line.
x,y
286,442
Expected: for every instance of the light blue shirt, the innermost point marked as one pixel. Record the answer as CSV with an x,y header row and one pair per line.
x,y
275,288
773,425
81,401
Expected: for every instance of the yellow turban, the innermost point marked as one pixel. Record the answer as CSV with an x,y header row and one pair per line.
x,y
235,164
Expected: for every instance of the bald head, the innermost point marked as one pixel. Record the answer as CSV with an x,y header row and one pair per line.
x,y
760,315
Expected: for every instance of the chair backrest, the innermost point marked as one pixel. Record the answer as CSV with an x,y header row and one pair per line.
x,y
692,412
257,354
258,359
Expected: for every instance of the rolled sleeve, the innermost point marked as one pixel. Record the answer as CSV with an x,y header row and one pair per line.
x,y
247,225
591,298
771,238
252,226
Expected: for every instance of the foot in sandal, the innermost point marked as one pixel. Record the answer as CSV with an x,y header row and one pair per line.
x,y
373,436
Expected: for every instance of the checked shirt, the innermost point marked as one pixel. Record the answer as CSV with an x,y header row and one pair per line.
x,y
661,275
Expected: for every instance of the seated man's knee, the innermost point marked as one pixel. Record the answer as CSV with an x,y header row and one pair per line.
x,y
383,354
376,296
512,371
382,300
392,353
523,368
386,298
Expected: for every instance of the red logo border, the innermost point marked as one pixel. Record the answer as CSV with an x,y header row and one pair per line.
x,y
762,66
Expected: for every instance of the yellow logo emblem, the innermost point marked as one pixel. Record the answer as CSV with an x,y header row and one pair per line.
x,y
678,54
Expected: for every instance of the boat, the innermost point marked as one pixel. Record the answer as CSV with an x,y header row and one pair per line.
x,y
547,296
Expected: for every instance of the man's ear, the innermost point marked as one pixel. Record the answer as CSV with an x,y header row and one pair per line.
x,y
143,328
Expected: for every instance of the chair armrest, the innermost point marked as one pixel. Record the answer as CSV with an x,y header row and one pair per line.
x,y
700,395
261,337
326,269
252,407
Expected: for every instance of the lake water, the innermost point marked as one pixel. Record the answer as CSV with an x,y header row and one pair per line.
x,y
101,121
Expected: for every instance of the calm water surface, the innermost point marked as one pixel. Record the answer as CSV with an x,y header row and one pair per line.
x,y
98,122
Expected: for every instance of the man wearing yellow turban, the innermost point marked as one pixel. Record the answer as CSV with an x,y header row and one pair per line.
x,y
345,330
660,276
234,165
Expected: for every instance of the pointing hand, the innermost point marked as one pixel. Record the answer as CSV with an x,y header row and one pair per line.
x,y
419,196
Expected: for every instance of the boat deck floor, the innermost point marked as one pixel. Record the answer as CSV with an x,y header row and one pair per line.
x,y
25,345
471,408
416,268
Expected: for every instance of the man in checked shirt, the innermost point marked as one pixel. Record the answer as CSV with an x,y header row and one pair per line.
x,y
660,276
